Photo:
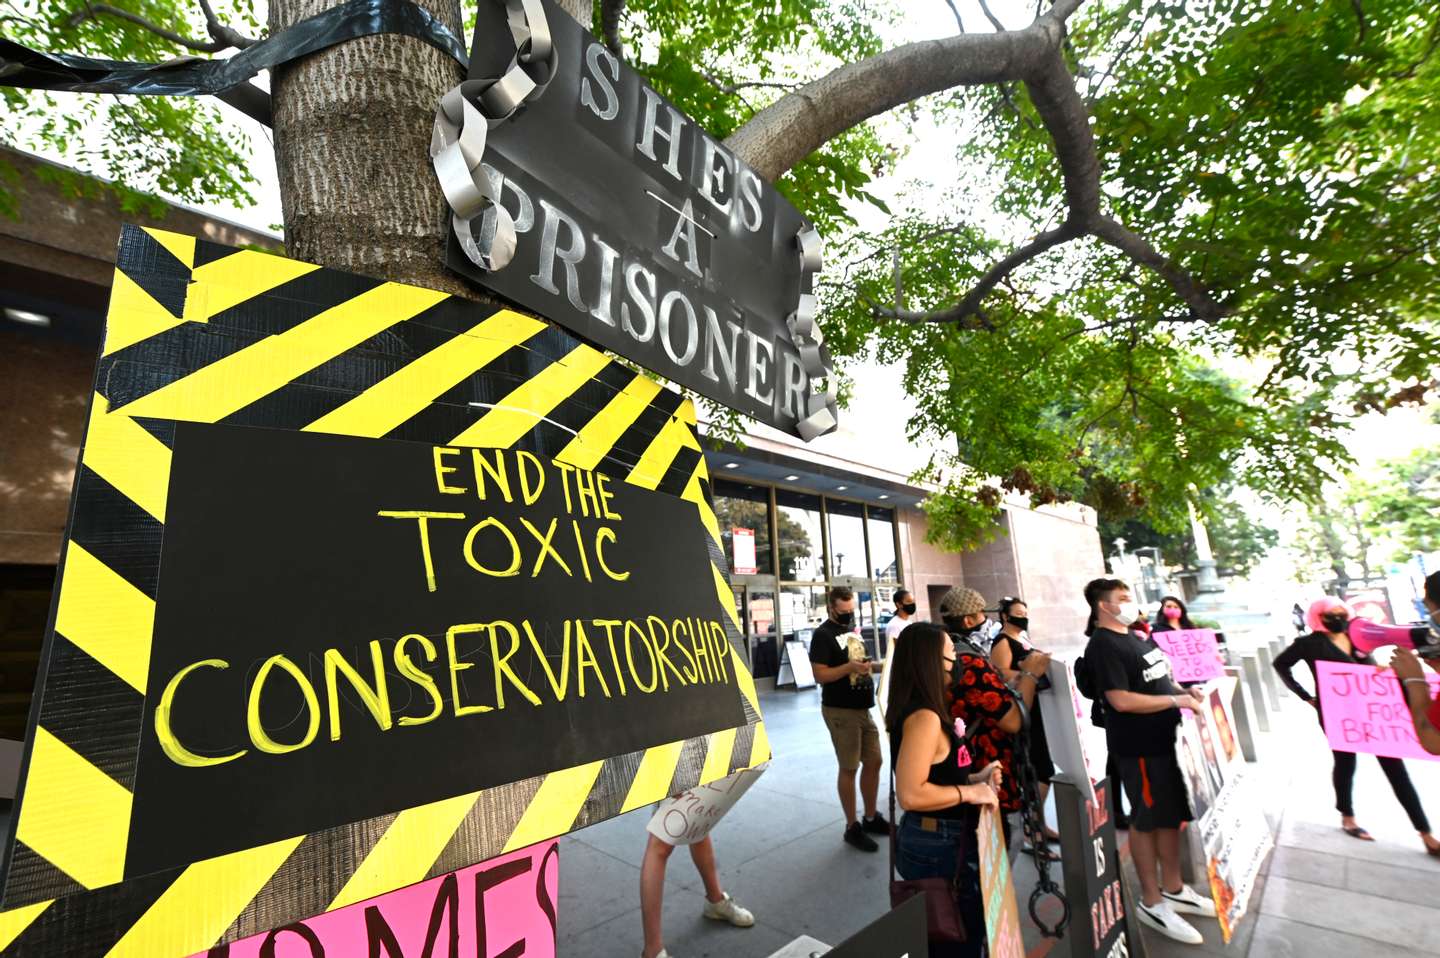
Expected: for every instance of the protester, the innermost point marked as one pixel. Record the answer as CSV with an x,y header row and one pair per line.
x,y
1007,654
719,906
936,780
904,611
1142,704
1423,712
981,699
844,671
1328,619
1173,616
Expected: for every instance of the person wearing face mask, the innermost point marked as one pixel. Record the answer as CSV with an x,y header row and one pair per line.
x,y
980,698
1423,712
937,781
1173,616
1329,618
1133,681
904,616
847,694
1010,650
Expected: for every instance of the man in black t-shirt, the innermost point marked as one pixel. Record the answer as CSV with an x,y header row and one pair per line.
x,y
1142,703
844,671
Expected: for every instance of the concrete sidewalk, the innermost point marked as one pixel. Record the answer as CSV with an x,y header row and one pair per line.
x,y
1323,893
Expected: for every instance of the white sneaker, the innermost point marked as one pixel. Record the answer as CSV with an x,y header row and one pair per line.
x,y
726,910
1188,901
1163,919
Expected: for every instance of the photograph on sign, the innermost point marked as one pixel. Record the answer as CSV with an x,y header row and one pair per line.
x,y
1194,654
684,261
352,566
1364,710
687,818
1230,831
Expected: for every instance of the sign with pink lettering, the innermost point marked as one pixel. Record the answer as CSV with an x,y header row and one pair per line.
x,y
1194,654
1365,711
505,906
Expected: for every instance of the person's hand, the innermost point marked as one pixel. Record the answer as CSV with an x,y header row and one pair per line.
x,y
989,775
1037,663
1407,665
860,668
1185,700
982,795
1197,695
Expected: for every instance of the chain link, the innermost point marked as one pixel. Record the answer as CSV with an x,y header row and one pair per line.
x,y
1032,824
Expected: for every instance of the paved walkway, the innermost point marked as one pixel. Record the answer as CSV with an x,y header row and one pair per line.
x,y
1323,894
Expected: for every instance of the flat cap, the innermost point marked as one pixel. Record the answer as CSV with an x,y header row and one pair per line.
x,y
959,601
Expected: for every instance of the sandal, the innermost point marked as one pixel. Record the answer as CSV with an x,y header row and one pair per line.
x,y
1355,831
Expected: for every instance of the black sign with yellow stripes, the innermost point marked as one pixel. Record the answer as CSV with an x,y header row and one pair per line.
x,y
363,584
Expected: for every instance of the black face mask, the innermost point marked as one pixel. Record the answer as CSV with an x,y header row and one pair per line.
x,y
1020,622
844,618
908,608
956,624
1335,622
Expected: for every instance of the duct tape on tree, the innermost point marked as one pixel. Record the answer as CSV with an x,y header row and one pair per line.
x,y
581,193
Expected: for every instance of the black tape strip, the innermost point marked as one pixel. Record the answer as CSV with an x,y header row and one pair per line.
x,y
21,66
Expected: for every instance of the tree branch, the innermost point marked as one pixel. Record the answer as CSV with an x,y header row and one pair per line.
x,y
985,9
956,10
221,36
610,13
1202,305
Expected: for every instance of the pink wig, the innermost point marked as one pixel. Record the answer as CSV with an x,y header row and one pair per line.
x,y
1319,607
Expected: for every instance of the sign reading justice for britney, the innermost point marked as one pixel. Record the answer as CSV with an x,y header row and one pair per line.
x,y
429,615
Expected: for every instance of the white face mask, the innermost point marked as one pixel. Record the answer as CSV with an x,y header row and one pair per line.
x,y
1129,612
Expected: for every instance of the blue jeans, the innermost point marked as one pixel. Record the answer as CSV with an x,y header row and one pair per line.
x,y
922,853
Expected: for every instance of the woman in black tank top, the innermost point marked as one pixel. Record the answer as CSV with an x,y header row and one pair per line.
x,y
934,779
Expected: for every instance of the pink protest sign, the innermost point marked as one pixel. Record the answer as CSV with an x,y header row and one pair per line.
x,y
1365,711
505,906
1194,654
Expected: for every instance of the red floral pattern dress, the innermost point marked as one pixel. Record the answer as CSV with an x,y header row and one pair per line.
x,y
980,699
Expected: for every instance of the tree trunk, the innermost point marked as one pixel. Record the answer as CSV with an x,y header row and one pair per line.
x,y
352,149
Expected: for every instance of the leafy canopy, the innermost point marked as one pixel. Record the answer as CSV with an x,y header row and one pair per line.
x,y
1279,152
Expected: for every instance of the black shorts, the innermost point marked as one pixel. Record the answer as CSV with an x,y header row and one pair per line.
x,y
1156,791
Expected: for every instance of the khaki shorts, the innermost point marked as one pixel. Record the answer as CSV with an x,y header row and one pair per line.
x,y
853,733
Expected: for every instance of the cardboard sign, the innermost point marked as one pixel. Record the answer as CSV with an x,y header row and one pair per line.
x,y
742,545
359,588
1365,711
638,231
1095,886
899,933
507,905
687,818
997,890
1194,654
1230,827
1067,729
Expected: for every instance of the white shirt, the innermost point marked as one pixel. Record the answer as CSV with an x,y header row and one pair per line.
x,y
894,627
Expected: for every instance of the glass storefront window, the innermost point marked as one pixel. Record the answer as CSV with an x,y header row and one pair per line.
x,y
883,567
743,506
802,609
847,538
800,538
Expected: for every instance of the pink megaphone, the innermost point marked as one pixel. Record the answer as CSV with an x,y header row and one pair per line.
x,y
1369,636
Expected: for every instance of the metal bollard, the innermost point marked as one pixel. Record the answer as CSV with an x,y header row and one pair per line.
x,y
1267,673
1242,709
1250,664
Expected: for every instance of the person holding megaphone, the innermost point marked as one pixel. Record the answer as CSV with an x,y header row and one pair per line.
x,y
1330,641
1424,712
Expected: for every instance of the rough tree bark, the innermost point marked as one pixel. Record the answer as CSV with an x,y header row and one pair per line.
x,y
352,150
